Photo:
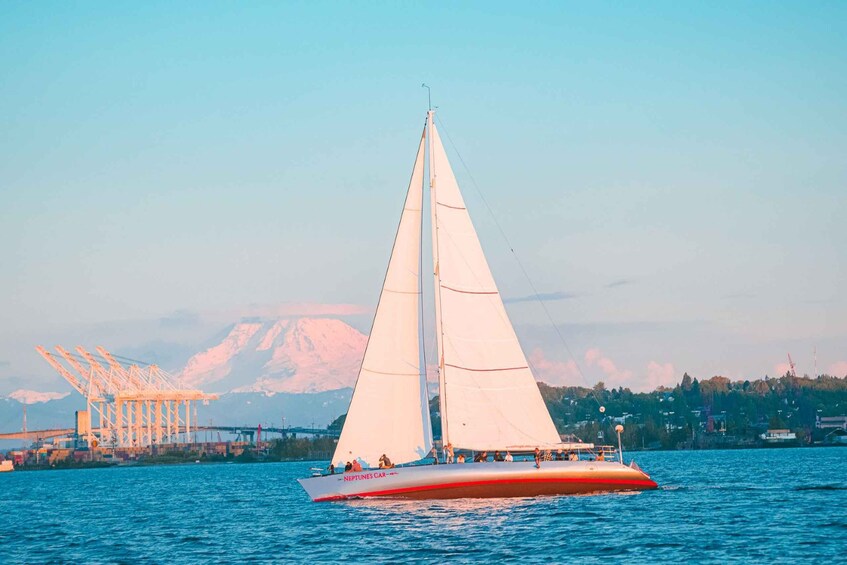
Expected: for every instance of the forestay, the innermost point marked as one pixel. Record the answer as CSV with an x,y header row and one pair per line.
x,y
490,397
389,409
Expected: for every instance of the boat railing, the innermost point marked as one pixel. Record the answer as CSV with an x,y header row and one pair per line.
x,y
609,452
592,453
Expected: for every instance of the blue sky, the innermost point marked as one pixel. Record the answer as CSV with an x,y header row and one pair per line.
x,y
674,173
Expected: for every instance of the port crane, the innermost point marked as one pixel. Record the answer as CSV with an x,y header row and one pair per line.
x,y
134,405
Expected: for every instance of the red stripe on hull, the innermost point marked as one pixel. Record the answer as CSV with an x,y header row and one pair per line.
x,y
501,488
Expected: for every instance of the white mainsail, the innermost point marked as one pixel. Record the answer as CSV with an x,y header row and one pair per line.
x,y
489,397
389,411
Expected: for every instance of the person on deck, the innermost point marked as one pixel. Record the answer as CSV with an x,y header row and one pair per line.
x,y
331,469
537,458
509,457
434,456
357,467
460,458
497,455
573,456
601,456
385,462
448,452
348,467
559,455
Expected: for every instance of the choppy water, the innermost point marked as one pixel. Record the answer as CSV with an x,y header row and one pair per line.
x,y
713,506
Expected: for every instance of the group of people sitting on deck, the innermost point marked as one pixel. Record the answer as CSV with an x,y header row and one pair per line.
x,y
547,455
355,466
351,467
569,456
482,457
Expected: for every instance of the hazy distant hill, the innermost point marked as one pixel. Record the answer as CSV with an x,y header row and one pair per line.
x,y
57,413
252,408
235,409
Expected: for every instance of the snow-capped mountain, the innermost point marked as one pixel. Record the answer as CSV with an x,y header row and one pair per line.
x,y
303,355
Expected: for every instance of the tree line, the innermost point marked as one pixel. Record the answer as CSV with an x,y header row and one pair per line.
x,y
687,414
714,412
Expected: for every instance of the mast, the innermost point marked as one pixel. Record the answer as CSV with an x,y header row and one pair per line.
x,y
439,330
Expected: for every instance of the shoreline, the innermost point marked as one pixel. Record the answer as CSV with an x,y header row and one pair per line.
x,y
244,461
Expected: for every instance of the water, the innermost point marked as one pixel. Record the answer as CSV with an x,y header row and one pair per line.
x,y
713,506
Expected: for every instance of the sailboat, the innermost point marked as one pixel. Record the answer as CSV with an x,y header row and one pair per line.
x,y
489,399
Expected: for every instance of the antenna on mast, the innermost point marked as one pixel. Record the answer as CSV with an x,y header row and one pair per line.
x,y
428,95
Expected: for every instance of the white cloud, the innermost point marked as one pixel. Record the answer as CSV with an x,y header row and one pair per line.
x,y
34,397
556,373
656,373
613,377
660,375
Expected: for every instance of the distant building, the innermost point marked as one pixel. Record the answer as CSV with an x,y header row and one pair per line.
x,y
831,422
778,437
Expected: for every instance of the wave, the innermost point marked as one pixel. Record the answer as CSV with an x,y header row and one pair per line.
x,y
822,487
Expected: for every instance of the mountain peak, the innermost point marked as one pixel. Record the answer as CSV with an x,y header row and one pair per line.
x,y
293,355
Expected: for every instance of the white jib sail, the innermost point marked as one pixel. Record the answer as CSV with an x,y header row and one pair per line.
x,y
389,411
490,398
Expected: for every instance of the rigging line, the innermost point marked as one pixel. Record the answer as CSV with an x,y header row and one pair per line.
x,y
517,259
